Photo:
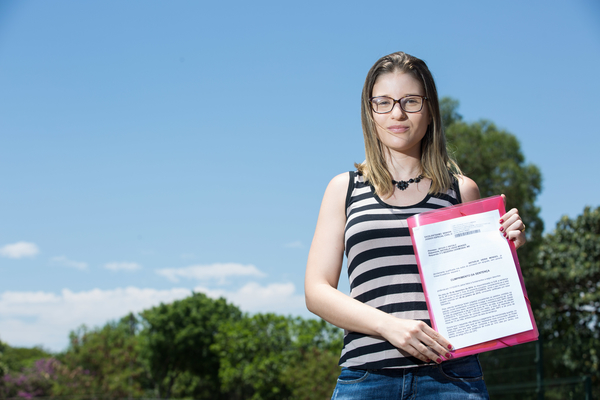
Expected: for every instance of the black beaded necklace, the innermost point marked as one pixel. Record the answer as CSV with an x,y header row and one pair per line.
x,y
402,185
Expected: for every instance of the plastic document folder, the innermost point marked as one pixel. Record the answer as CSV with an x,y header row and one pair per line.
x,y
454,269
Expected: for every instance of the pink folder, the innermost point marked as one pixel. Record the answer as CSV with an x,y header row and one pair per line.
x,y
470,208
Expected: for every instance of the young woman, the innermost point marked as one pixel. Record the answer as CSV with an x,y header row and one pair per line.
x,y
390,351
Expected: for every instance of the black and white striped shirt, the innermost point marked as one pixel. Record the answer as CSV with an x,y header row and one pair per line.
x,y
382,269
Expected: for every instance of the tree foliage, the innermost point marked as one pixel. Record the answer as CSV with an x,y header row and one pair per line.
x,y
17,358
196,348
102,362
3,366
253,352
568,276
268,356
314,372
176,339
33,381
24,370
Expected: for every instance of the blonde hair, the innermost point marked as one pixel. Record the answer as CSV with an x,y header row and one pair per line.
x,y
436,164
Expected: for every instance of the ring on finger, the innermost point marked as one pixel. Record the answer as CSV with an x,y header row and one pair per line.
x,y
522,228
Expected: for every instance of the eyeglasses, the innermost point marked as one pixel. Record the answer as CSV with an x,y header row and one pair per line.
x,y
409,104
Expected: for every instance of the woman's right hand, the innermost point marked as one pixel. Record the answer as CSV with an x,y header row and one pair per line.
x,y
418,339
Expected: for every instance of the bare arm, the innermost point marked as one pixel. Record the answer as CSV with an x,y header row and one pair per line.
x,y
322,297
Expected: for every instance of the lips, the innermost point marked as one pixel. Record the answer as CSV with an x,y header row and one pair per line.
x,y
397,128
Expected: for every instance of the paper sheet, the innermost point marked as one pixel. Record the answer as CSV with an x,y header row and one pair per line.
x,y
474,290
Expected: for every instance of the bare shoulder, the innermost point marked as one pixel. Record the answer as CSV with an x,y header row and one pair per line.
x,y
334,198
469,190
339,183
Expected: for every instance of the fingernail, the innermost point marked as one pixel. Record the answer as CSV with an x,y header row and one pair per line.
x,y
505,235
439,360
450,347
501,228
448,355
501,220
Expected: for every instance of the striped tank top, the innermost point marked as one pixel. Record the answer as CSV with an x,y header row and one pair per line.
x,y
382,269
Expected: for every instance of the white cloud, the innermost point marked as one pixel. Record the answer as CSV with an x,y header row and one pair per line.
x,y
219,272
65,262
19,250
278,298
122,266
45,318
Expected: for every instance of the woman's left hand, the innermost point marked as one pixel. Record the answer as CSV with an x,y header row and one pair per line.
x,y
513,227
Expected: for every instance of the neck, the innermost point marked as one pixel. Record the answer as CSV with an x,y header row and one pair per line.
x,y
404,166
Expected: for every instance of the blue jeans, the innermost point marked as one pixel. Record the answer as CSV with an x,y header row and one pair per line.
x,y
461,378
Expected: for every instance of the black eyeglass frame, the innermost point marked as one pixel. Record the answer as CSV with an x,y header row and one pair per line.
x,y
399,101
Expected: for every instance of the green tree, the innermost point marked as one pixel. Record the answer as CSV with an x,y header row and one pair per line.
x,y
313,374
18,358
568,275
190,386
253,352
103,362
313,371
176,344
32,381
24,369
268,356
492,157
3,366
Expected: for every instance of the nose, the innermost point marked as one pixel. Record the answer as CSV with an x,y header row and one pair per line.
x,y
397,112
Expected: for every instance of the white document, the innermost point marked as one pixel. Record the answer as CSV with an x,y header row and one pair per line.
x,y
474,290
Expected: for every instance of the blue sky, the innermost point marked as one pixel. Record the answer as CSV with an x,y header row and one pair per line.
x,y
153,148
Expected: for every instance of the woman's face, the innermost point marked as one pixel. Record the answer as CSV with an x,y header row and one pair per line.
x,y
398,130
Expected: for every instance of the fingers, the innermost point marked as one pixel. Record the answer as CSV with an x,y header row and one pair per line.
x,y
511,220
517,237
513,228
433,346
425,353
422,342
